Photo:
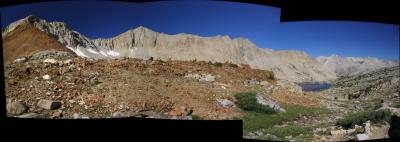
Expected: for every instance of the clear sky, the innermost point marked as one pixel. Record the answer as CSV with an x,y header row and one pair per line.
x,y
258,23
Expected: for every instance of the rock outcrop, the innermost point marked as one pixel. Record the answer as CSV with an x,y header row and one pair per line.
x,y
350,66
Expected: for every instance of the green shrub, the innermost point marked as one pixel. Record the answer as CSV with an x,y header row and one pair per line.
x,y
290,130
396,104
362,117
216,64
196,117
248,101
233,65
255,121
271,75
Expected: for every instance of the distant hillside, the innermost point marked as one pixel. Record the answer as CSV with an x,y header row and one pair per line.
x,y
350,66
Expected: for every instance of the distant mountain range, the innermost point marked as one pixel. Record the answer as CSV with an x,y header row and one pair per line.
x,y
144,43
350,66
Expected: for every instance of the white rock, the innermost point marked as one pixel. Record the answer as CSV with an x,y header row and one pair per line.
x,y
69,61
46,77
361,137
77,116
264,83
85,117
225,103
209,78
367,127
23,59
117,114
51,61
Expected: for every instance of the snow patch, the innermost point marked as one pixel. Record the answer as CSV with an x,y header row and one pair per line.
x,y
92,51
103,53
112,53
80,53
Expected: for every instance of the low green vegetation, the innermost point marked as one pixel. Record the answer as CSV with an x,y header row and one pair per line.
x,y
255,121
362,117
248,101
396,104
233,65
290,130
196,117
271,75
216,64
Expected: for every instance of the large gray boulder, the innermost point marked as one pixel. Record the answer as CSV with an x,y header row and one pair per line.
x,y
269,103
49,104
16,108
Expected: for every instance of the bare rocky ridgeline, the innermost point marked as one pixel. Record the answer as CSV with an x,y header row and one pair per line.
x,y
143,43
54,84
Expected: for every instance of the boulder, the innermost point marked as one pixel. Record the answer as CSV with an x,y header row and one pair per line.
x,y
367,127
207,78
48,104
250,82
117,115
264,83
69,61
80,116
361,137
16,108
77,116
225,103
29,115
46,77
269,103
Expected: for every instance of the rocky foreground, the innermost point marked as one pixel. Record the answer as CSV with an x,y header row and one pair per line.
x,y
59,85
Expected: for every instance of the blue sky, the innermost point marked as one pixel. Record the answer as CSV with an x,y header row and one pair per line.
x,y
258,23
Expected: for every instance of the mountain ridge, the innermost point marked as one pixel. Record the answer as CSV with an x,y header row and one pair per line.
x,y
144,43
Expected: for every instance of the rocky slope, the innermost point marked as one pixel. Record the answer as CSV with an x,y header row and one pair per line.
x,y
380,82
144,43
54,84
350,66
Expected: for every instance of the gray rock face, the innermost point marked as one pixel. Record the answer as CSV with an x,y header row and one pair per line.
x,y
350,66
48,104
144,43
377,82
269,103
16,108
